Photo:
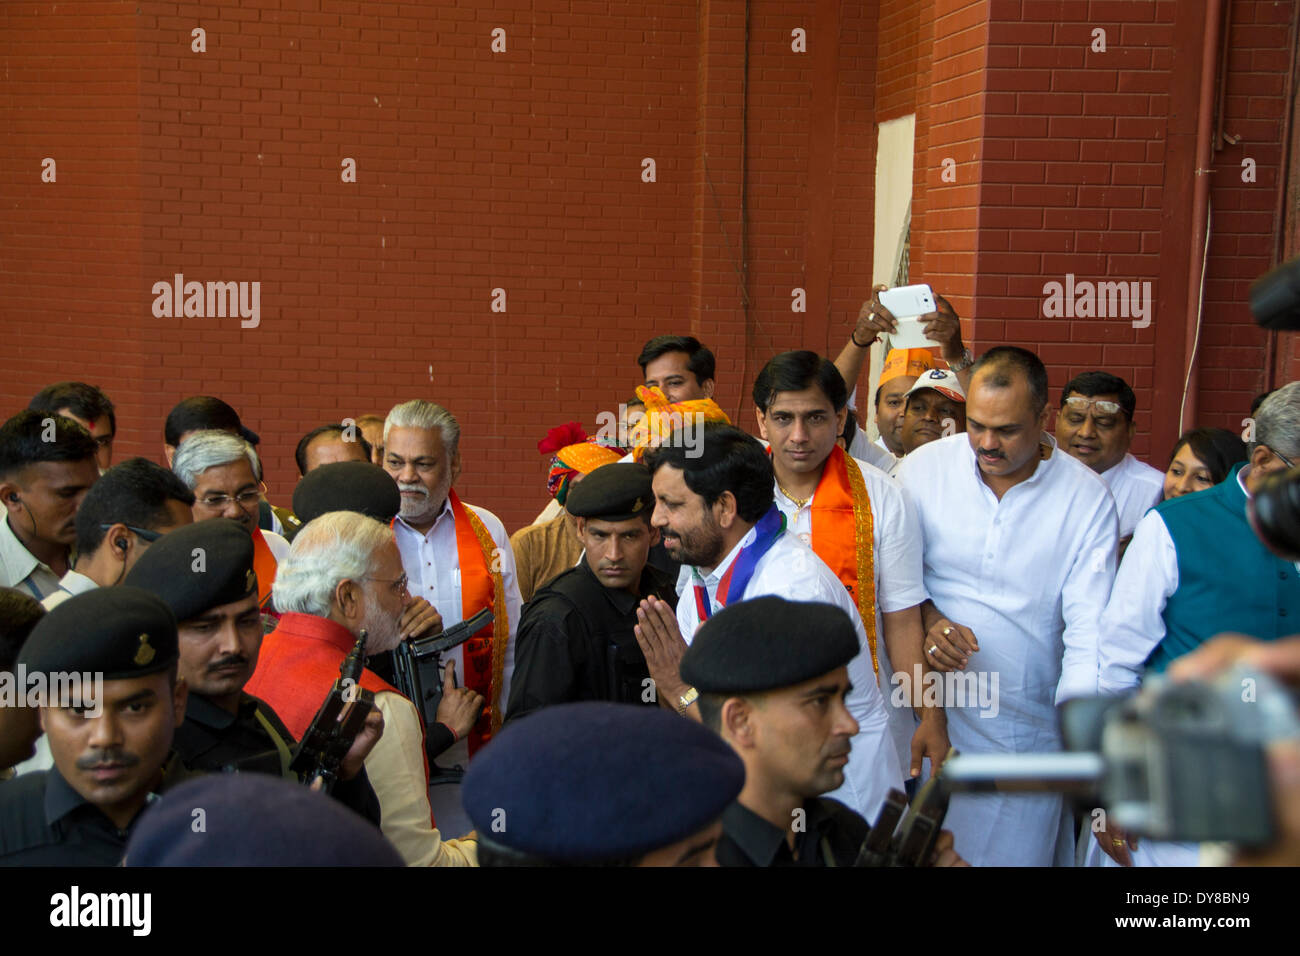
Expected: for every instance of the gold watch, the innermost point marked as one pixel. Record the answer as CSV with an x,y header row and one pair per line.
x,y
685,701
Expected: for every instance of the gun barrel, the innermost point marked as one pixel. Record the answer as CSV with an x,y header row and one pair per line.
x,y
1063,772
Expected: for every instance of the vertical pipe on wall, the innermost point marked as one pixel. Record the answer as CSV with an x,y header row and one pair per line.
x,y
1201,200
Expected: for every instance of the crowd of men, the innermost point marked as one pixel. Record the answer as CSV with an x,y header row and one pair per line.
x,y
710,647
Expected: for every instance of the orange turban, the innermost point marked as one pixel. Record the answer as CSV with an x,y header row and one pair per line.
x,y
573,453
906,362
663,416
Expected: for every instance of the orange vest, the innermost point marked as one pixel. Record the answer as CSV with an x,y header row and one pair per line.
x,y
299,663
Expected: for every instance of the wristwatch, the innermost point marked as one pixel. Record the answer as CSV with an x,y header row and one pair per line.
x,y
966,361
685,701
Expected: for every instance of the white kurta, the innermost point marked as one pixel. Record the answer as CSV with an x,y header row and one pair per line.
x,y
432,564
1131,627
875,453
896,560
792,571
1030,575
1133,623
1137,487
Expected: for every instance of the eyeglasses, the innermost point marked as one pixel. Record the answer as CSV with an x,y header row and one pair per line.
x,y
1285,460
1080,404
243,499
104,441
398,585
140,532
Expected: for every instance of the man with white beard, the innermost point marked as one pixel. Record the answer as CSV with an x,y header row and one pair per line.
x,y
458,557
344,575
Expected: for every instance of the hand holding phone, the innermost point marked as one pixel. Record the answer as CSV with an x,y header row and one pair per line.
x,y
907,303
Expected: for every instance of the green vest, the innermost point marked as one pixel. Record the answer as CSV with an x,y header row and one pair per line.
x,y
1227,579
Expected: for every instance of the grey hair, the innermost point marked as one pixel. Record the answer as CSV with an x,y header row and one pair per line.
x,y
1277,421
421,414
211,448
337,546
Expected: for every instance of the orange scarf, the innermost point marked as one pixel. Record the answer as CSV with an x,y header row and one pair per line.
x,y
481,585
264,566
843,536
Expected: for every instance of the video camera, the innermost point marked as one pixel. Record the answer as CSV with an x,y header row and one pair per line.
x,y
1176,761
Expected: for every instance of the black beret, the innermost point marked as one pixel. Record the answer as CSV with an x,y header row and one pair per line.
x,y
198,567
252,819
767,643
616,492
595,782
347,486
121,632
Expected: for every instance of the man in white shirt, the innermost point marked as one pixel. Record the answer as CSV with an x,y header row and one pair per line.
x,y
131,506
854,520
221,469
458,557
47,464
714,507
1194,569
1095,425
1020,549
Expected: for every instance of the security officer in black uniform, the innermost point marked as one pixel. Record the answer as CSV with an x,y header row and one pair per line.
x,y
772,678
111,744
575,639
599,784
206,577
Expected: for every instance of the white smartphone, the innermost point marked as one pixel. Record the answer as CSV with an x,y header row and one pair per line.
x,y
907,302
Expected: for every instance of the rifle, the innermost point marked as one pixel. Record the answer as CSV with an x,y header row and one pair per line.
x,y
334,729
914,842
417,673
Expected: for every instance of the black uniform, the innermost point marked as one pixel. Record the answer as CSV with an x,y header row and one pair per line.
x,y
254,740
575,642
212,739
47,823
831,835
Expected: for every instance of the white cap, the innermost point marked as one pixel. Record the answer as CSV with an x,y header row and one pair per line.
x,y
942,380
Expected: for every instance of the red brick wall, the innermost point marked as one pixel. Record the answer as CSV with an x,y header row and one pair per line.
x,y
1089,168
522,171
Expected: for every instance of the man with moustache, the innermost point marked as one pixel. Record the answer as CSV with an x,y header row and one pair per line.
x,y
1095,425
576,639
343,575
679,366
47,464
1020,548
716,513
457,557
773,678
859,523
214,599
934,407
111,745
